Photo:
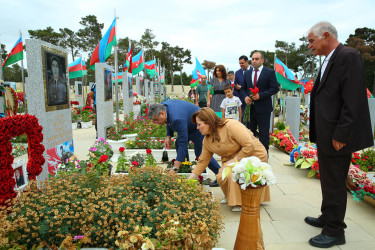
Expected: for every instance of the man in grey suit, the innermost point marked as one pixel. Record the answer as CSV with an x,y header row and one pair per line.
x,y
339,124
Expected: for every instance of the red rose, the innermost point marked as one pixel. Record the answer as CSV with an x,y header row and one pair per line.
x,y
148,151
121,149
135,163
103,158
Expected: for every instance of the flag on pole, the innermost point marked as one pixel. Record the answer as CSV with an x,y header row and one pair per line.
x,y
84,70
15,55
119,76
197,73
104,48
137,63
150,68
162,78
128,64
285,76
75,69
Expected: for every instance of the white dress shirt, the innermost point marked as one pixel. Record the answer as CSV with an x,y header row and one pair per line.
x,y
253,74
324,66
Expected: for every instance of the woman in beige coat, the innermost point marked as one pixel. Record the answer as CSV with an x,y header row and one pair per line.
x,y
232,141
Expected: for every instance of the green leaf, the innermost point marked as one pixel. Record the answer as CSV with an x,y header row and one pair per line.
x,y
299,162
305,165
310,160
311,173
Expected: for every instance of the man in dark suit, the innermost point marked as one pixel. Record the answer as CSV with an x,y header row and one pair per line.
x,y
261,107
339,124
176,114
238,82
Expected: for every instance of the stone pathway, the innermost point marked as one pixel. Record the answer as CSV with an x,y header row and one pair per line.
x,y
293,198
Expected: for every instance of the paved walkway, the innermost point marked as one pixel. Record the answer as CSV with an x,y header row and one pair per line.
x,y
293,198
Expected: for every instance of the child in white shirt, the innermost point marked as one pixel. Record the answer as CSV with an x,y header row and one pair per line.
x,y
231,105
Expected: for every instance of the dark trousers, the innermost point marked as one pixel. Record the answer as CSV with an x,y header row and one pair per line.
x,y
333,173
202,104
262,122
197,138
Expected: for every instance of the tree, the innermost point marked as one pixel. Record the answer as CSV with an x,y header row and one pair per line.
x,y
182,56
48,35
363,40
3,52
91,33
208,65
69,40
14,73
288,54
306,58
148,43
167,57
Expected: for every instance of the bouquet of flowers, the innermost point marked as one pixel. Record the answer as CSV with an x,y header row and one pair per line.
x,y
364,185
253,92
250,171
283,140
138,99
305,157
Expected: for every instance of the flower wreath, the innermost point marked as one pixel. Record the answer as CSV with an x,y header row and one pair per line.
x,y
15,126
15,99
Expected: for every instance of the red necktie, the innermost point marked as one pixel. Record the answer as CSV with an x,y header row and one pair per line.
x,y
255,78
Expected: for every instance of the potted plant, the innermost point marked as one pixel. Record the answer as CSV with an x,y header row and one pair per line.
x,y
360,185
115,139
86,118
252,175
74,120
129,127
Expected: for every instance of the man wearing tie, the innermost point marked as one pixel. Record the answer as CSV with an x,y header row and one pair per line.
x,y
238,81
339,124
261,107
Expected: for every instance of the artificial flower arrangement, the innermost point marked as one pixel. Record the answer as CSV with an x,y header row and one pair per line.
x,y
304,111
365,160
306,157
138,99
283,140
360,184
304,135
250,171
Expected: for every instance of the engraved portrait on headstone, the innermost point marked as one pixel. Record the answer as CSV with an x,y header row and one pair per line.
x,y
55,82
79,88
107,85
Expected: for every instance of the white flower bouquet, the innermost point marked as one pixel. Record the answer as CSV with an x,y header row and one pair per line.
x,y
250,171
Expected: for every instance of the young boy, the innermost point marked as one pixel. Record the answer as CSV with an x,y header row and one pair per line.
x,y
231,105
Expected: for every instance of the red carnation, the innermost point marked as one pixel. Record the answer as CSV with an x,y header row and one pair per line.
x,y
148,151
103,158
121,149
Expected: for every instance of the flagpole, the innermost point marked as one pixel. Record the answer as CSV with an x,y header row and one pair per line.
x,y
116,73
23,82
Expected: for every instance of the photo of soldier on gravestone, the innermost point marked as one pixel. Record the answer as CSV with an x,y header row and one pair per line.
x,y
56,83
107,85
79,89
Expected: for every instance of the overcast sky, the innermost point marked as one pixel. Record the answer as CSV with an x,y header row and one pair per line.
x,y
215,30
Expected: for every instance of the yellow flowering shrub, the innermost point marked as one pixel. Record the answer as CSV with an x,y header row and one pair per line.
x,y
147,209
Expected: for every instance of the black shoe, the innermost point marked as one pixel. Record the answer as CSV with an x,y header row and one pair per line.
x,y
315,222
214,184
324,241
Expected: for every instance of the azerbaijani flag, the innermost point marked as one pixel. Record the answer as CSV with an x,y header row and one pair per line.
x,y
137,63
150,68
162,78
285,76
15,55
104,48
128,64
197,73
84,70
75,69
119,76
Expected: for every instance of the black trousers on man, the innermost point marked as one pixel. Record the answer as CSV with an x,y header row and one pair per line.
x,y
260,121
333,173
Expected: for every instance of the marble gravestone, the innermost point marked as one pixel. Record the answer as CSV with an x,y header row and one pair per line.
x,y
138,85
146,83
292,116
1,103
152,95
127,94
79,94
48,98
371,104
104,98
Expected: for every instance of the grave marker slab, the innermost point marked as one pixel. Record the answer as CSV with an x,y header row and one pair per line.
x,y
292,105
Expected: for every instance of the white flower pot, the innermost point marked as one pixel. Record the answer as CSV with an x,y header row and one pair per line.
x,y
86,124
116,145
74,125
131,136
